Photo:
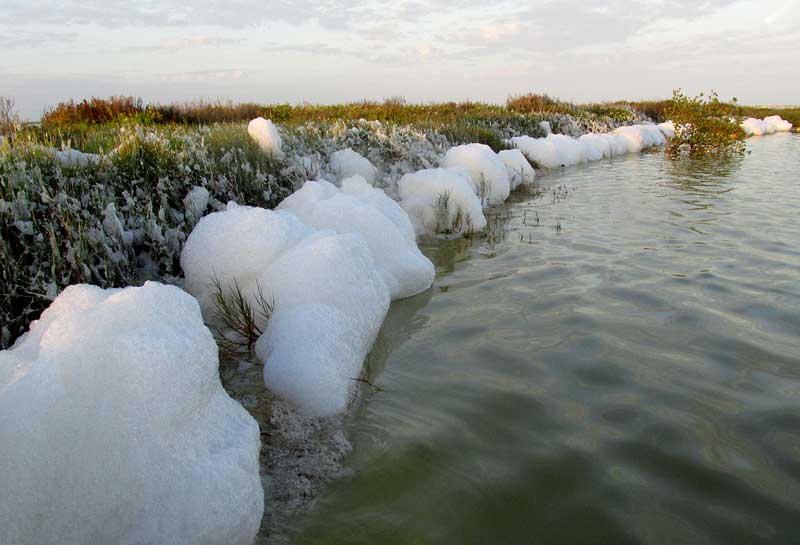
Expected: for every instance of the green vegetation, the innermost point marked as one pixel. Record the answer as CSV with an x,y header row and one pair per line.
x,y
241,323
451,221
120,217
121,109
461,122
9,120
117,219
704,125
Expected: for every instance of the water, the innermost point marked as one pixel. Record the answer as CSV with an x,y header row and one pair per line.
x,y
619,363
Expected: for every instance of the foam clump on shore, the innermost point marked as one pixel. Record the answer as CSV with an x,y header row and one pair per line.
x,y
359,208
558,150
640,137
487,171
121,430
768,125
667,128
330,302
519,169
441,200
233,248
329,260
347,163
541,151
266,135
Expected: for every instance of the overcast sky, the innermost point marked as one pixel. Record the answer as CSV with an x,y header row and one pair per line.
x,y
333,51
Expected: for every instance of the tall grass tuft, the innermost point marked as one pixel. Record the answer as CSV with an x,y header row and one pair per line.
x,y
9,118
241,322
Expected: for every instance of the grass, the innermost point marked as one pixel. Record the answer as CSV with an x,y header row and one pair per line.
x,y
241,321
118,221
460,122
121,220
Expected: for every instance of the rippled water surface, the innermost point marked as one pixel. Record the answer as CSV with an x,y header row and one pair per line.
x,y
618,363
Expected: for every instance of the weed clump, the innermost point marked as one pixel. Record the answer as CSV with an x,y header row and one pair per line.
x,y
240,322
9,118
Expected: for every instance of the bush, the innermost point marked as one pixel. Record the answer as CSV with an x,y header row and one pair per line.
x,y
97,111
9,119
540,103
704,125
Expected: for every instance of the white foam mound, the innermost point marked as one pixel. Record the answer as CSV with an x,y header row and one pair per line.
x,y
424,194
359,208
616,146
540,151
595,146
330,302
519,169
754,127
235,247
654,137
768,125
557,150
115,428
328,289
265,133
777,124
347,163
487,171
667,128
640,137
553,151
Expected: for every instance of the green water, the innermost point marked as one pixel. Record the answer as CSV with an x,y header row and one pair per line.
x,y
619,363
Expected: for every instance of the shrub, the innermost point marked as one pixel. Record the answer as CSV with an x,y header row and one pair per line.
x,y
704,125
9,119
539,103
96,111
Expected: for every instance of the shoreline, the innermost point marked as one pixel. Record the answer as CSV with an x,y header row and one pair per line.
x,y
292,483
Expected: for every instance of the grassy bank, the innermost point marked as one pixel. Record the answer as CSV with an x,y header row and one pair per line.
x,y
121,217
91,125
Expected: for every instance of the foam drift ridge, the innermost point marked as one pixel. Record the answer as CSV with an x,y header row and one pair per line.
x,y
330,259
768,125
115,427
558,150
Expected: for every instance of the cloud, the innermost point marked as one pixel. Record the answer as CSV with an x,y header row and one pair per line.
x,y
431,48
310,48
193,42
33,39
172,13
226,74
498,32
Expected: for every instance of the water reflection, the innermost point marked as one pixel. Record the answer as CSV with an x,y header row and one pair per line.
x,y
694,173
402,321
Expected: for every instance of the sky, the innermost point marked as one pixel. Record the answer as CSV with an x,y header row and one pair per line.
x,y
331,51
